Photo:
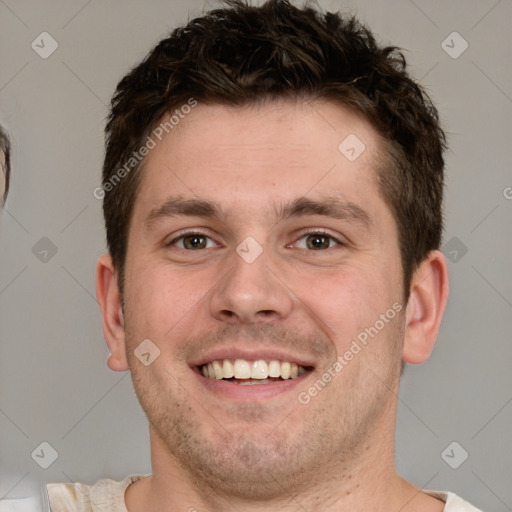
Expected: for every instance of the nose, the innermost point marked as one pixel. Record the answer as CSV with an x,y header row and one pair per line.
x,y
251,292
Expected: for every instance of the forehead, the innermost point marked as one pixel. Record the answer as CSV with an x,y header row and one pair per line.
x,y
255,157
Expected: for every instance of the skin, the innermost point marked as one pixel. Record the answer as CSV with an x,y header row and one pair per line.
x,y
214,452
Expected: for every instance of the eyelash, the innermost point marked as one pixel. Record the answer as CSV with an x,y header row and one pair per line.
x,y
304,234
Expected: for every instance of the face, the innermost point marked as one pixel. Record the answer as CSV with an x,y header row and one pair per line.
x,y
254,237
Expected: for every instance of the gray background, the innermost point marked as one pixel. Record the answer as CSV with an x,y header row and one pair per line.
x,y
54,383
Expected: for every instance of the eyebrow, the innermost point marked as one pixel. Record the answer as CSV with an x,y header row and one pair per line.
x,y
330,206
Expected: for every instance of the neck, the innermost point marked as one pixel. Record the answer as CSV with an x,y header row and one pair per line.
x,y
367,482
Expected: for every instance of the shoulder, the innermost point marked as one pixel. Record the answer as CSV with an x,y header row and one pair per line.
x,y
453,502
105,493
62,497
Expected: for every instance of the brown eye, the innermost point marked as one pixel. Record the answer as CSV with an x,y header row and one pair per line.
x,y
192,242
317,241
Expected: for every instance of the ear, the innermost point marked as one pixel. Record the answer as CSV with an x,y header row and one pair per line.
x,y
109,299
425,307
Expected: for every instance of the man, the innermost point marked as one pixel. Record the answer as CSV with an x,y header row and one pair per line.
x,y
272,197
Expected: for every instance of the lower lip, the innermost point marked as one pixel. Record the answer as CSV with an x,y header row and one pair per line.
x,y
250,392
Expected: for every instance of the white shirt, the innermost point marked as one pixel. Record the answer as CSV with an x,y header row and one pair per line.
x,y
108,496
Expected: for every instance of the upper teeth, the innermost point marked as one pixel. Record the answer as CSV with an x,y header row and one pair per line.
x,y
259,369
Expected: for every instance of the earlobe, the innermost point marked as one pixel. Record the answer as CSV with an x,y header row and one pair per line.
x,y
109,299
425,307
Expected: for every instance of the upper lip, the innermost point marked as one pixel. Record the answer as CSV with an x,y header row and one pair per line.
x,y
265,354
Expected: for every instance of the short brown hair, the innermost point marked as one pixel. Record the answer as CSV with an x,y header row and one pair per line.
x,y
5,148
242,55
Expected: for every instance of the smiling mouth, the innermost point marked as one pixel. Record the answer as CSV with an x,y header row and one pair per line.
x,y
241,371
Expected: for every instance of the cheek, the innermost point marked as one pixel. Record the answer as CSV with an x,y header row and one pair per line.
x,y
346,301
159,300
